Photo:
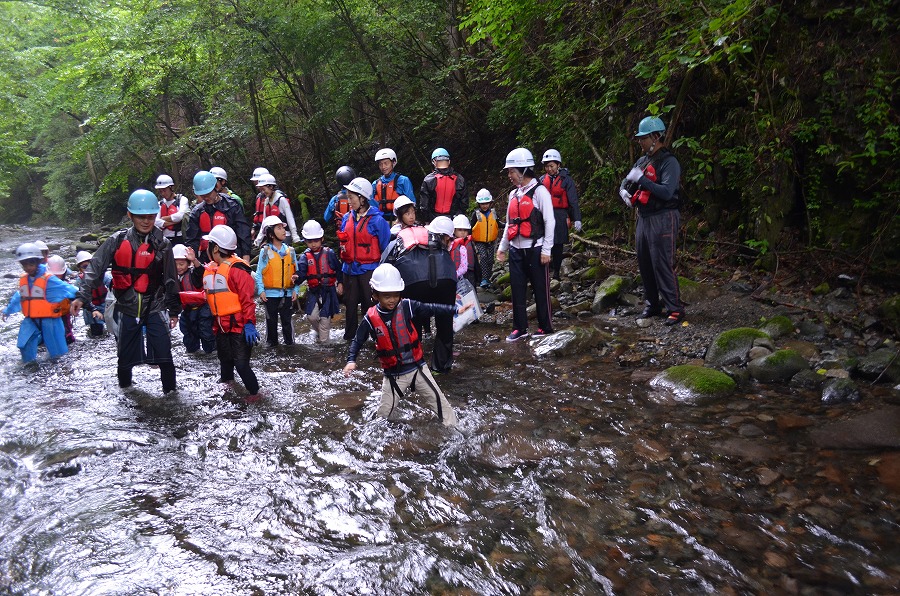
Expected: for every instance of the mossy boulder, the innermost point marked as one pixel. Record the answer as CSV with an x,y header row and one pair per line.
x,y
688,383
607,293
883,363
503,280
777,326
889,311
506,294
777,367
569,341
732,346
594,272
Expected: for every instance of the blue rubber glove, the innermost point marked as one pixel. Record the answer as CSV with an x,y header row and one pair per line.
x,y
250,334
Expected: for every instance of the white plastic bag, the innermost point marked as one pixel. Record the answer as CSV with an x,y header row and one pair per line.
x,y
465,294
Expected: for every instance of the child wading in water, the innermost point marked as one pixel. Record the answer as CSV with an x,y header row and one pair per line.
x,y
321,269
276,279
397,344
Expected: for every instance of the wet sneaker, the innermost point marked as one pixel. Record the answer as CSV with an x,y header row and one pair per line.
x,y
674,318
516,335
541,333
252,399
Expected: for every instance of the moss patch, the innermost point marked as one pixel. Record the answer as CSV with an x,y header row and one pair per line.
x,y
777,326
503,280
690,383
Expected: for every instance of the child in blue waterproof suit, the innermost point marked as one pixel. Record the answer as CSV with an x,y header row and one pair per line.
x,y
38,298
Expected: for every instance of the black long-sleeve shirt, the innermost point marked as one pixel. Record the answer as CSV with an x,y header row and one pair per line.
x,y
234,216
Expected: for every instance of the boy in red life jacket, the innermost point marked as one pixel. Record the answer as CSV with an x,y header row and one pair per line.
x,y
387,189
96,308
40,296
397,345
276,280
146,290
485,228
321,268
462,251
173,208
230,290
196,322
443,191
564,197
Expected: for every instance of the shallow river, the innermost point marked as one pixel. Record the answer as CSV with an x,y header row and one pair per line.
x,y
566,478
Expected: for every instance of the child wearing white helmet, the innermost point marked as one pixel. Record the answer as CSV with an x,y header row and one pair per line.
x,y
173,208
462,251
485,228
273,202
564,197
390,323
56,265
276,280
388,188
405,214
320,267
94,310
38,297
196,321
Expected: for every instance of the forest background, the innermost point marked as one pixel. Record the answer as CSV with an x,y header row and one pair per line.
x,y
783,114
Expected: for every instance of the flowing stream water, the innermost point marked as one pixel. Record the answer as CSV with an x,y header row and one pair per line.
x,y
566,478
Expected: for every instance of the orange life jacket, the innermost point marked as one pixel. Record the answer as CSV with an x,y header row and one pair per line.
x,y
399,343
524,218
486,228
222,301
34,299
386,193
318,269
558,195
166,210
207,223
279,270
136,270
342,208
444,191
456,252
358,244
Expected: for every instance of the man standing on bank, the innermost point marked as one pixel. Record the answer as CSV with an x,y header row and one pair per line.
x,y
652,186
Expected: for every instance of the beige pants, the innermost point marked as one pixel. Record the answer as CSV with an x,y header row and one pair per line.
x,y
320,325
422,382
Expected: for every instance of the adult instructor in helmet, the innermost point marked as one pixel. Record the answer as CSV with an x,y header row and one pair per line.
x,y
444,190
652,188
212,209
146,287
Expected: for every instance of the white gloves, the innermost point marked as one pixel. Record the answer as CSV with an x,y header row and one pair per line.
x,y
634,175
626,196
577,226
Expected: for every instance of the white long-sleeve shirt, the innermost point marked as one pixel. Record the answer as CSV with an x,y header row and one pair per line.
x,y
284,208
544,204
177,217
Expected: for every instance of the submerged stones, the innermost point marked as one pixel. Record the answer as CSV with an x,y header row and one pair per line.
x,y
570,341
688,383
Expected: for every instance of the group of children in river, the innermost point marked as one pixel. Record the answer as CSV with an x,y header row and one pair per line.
x,y
211,292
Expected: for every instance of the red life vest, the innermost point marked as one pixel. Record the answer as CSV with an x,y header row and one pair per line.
x,y
165,210
456,252
98,294
342,208
358,244
558,195
387,194
263,210
318,269
207,223
132,269
414,236
444,191
34,299
399,343
191,296
524,218
643,196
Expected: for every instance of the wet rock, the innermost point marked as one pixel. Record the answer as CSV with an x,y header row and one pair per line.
x,y
570,341
578,307
777,326
837,373
738,373
879,428
607,293
510,450
840,391
889,311
644,323
811,330
745,449
651,450
889,471
740,287
565,267
689,384
883,363
792,422
805,348
808,379
758,352
750,431
732,346
777,367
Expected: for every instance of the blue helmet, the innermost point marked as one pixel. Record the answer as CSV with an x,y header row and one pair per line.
x,y
143,202
648,125
440,152
204,182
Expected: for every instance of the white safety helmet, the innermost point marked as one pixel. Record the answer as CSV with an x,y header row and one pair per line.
x,y
551,155
519,158
29,250
484,196
386,154
223,236
219,173
266,180
257,173
56,265
461,222
401,202
270,222
179,251
164,181
441,225
386,278
41,245
312,230
360,186
83,256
